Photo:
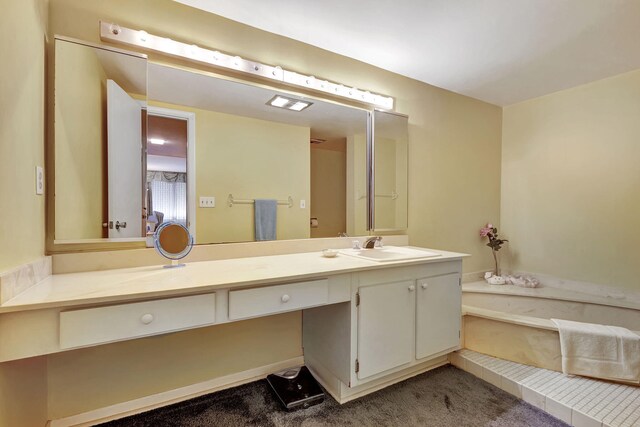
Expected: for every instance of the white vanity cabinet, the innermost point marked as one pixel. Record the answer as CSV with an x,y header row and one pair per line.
x,y
438,314
400,321
385,325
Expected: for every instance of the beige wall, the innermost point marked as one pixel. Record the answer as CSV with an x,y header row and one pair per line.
x,y
328,189
80,150
251,159
356,185
448,134
386,172
22,121
23,393
571,183
94,377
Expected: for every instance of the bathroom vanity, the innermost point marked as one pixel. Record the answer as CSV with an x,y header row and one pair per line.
x,y
366,323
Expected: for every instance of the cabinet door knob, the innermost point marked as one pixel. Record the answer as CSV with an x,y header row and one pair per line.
x,y
285,298
424,286
147,318
412,288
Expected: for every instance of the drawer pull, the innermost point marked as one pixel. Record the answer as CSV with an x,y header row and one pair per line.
x,y
285,298
412,288
424,286
147,318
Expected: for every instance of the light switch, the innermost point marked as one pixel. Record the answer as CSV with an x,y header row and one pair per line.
x,y
303,204
39,180
207,202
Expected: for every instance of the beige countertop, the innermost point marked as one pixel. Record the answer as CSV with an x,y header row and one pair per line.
x,y
64,290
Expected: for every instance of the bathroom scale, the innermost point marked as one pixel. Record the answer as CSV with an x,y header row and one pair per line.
x,y
296,388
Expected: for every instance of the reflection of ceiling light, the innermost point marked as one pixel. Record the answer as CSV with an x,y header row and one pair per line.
x,y
279,101
157,141
288,103
299,106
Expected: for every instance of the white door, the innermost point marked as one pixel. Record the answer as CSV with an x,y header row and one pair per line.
x,y
386,316
438,314
124,146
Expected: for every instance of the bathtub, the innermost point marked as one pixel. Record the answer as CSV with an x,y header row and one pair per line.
x,y
514,323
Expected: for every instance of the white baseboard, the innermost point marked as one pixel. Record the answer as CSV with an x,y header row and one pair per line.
x,y
153,401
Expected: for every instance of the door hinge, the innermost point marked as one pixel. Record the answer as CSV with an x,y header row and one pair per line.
x,y
357,366
357,299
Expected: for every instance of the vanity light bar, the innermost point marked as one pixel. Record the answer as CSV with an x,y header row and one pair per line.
x,y
140,38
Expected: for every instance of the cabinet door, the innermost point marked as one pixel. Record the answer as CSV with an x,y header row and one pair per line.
x,y
438,314
385,327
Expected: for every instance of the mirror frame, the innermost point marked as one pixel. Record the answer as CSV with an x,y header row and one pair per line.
x,y
138,243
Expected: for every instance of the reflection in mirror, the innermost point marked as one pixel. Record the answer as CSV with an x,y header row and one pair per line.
x,y
391,157
244,147
166,179
100,125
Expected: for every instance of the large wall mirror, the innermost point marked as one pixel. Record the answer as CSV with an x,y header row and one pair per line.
x,y
390,171
250,143
138,144
100,130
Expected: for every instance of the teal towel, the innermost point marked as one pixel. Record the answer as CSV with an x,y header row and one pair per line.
x,y
265,218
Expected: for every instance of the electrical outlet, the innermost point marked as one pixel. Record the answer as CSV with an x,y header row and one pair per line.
x,y
303,204
39,180
207,202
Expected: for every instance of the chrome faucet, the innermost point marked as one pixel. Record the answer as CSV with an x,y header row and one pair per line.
x,y
370,243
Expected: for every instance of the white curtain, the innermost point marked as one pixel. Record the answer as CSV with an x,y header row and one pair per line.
x,y
170,198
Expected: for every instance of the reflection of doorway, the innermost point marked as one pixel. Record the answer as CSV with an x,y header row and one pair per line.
x,y
328,187
170,168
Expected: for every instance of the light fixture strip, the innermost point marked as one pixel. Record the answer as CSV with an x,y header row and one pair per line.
x,y
140,38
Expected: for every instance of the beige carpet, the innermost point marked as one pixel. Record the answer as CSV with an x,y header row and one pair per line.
x,y
445,396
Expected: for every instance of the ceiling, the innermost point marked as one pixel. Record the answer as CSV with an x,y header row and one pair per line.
x,y
499,51
198,90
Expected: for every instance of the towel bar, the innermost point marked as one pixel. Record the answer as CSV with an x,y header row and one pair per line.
x,y
231,201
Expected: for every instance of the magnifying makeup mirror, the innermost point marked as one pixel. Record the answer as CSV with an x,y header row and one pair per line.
x,y
173,241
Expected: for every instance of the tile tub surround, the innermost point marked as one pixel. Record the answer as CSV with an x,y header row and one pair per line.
x,y
549,302
18,280
578,401
529,340
514,323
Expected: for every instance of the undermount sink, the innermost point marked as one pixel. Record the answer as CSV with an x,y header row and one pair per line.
x,y
390,253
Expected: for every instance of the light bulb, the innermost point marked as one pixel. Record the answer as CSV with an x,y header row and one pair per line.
x,y
114,29
193,51
236,60
143,35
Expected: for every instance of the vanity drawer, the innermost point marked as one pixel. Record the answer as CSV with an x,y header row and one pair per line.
x,y
280,298
124,321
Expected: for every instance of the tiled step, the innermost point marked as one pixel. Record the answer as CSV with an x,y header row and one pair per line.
x,y
578,401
